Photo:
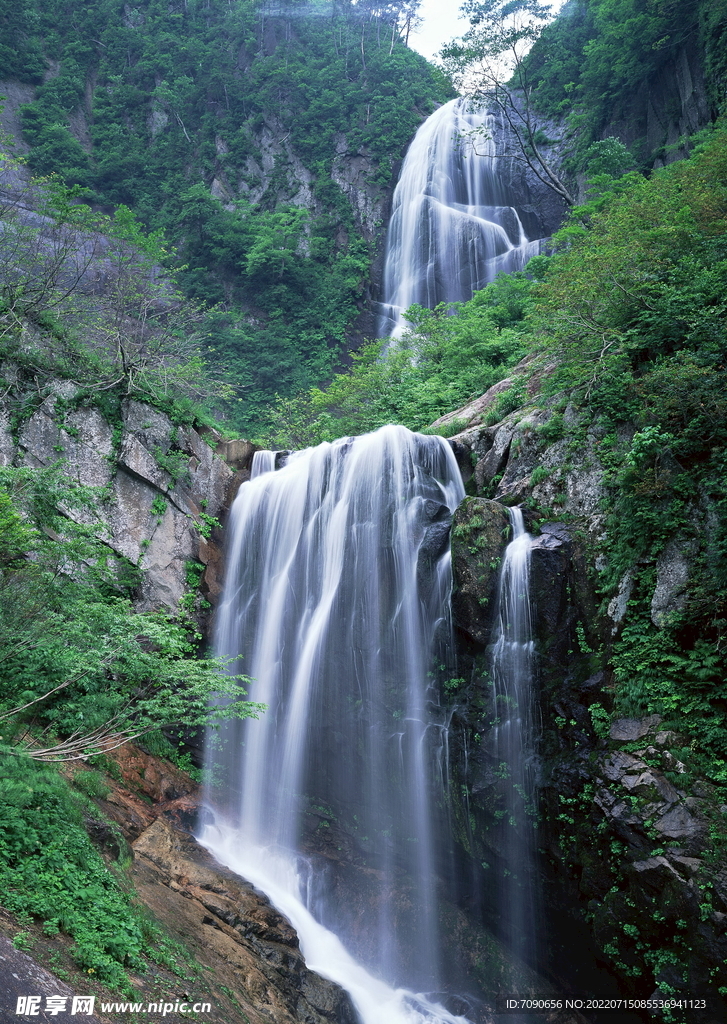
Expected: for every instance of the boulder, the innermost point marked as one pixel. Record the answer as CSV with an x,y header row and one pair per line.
x,y
479,538
626,730
672,575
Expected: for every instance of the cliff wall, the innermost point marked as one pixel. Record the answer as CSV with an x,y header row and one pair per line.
x,y
163,488
629,836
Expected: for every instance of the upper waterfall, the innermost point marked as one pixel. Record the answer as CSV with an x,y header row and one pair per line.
x,y
458,217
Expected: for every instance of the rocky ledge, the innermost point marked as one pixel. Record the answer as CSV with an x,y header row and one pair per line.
x,y
255,968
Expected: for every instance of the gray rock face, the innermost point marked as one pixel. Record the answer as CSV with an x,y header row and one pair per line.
x,y
23,976
672,575
629,729
495,460
152,514
674,106
352,173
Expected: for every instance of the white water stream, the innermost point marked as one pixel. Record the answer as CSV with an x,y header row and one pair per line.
x,y
337,595
511,743
455,221
278,875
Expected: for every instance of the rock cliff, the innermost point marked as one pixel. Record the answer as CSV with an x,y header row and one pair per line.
x,y
161,487
628,838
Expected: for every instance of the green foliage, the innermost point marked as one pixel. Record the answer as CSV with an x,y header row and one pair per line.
x,y
92,783
49,870
645,282
598,61
137,336
21,55
178,97
632,306
448,356
507,401
601,720
158,507
539,474
75,657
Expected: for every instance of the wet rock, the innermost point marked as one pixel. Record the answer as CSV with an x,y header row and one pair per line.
x,y
464,457
83,441
550,558
435,541
149,788
647,781
233,930
688,865
139,462
654,872
479,537
678,823
237,453
665,737
150,426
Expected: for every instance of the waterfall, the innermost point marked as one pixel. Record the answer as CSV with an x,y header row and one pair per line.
x,y
459,216
336,603
512,743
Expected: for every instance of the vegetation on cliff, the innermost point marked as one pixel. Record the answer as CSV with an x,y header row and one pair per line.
x,y
220,123
82,672
634,309
597,62
625,321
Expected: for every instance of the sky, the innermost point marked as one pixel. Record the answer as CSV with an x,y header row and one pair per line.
x,y
441,22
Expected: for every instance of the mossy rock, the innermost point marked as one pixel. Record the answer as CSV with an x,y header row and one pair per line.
x,y
479,536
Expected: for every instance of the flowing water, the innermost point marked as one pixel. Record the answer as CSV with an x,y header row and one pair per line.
x,y
336,605
457,219
336,602
512,743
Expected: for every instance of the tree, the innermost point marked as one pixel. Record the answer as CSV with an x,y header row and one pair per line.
x,y
489,64
48,241
86,297
80,671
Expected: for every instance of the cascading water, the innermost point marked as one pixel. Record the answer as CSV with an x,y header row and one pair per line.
x,y
457,221
336,605
511,743
336,600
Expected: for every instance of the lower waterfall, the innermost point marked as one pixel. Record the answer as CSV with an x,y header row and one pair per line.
x,y
336,605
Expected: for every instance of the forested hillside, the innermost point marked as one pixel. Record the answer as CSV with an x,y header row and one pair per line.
x,y
608,66
262,139
262,142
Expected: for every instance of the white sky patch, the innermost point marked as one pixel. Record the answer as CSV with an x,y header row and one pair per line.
x,y
441,21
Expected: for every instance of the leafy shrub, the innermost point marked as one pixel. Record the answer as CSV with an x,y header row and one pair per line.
x,y
49,869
